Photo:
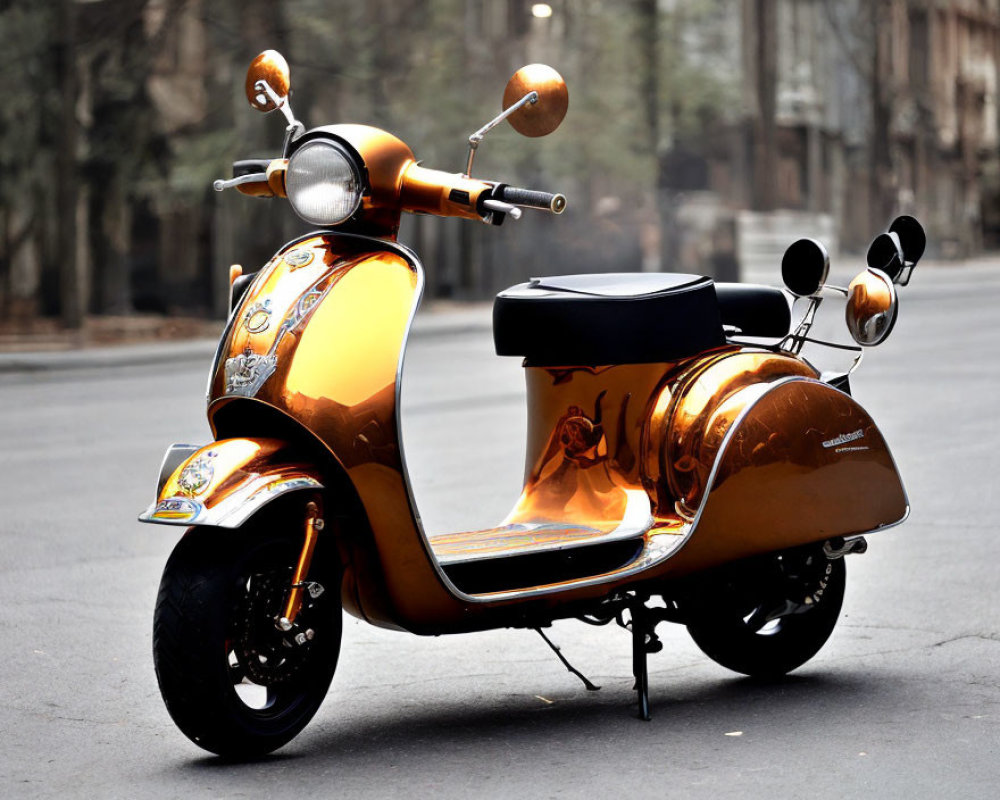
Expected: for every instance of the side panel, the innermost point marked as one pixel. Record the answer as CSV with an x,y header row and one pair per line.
x,y
803,463
319,337
584,436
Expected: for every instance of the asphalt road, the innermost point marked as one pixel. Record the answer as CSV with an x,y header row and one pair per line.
x,y
903,701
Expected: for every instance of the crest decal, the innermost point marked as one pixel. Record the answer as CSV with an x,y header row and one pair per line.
x,y
258,317
197,475
298,258
248,371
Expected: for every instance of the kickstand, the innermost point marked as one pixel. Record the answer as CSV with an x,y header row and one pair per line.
x,y
644,641
555,649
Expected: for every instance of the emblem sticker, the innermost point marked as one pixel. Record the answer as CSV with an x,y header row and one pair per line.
x,y
853,436
258,317
298,258
177,508
196,476
248,371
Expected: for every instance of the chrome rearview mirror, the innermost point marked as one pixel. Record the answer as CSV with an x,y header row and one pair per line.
x,y
267,87
886,254
804,267
872,307
912,241
534,102
268,81
541,116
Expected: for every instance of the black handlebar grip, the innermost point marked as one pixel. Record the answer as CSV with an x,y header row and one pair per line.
x,y
556,203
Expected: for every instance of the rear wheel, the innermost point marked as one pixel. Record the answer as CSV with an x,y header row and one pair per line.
x,y
232,681
775,619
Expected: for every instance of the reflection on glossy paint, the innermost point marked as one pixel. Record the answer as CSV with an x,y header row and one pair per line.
x,y
599,439
585,425
871,307
366,318
708,400
776,484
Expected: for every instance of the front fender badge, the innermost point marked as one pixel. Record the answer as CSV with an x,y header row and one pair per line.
x,y
196,476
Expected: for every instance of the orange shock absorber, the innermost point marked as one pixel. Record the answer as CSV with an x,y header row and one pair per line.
x,y
314,524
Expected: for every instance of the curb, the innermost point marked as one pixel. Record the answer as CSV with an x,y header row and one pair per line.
x,y
431,325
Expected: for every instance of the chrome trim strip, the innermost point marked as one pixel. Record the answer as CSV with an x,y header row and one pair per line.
x,y
414,511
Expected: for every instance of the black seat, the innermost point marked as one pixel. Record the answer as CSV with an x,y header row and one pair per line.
x,y
754,310
610,318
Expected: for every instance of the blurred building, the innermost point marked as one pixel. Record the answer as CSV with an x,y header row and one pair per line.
x,y
880,107
699,139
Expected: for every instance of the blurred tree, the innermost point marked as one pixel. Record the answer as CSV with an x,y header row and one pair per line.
x,y
26,150
118,114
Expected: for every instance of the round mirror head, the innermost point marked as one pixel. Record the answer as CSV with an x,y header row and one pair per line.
x,y
871,307
270,67
911,235
804,267
543,116
885,254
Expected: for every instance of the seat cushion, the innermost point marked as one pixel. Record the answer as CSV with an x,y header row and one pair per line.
x,y
611,318
754,310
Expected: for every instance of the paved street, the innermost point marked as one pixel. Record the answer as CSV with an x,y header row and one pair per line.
x,y
904,702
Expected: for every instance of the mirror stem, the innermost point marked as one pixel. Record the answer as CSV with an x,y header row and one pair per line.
x,y
294,130
478,136
281,103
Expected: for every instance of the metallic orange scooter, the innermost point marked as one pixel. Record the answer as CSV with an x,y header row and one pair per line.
x,y
680,447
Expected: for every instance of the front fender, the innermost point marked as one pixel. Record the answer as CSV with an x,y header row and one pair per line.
x,y
224,483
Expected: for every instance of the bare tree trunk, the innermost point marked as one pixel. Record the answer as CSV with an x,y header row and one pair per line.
x,y
661,248
5,266
70,295
116,224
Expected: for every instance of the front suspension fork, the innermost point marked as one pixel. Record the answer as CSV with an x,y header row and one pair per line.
x,y
313,525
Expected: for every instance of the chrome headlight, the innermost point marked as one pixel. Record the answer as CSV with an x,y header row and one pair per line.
x,y
322,183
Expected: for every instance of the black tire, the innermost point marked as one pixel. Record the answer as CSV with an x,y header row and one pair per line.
x,y
787,642
214,637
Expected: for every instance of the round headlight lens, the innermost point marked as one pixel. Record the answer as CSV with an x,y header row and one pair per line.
x,y
322,183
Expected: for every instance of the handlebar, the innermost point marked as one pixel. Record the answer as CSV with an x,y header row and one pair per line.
x,y
530,198
421,191
430,191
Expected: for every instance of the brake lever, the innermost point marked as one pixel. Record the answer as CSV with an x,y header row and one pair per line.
x,y
254,177
503,208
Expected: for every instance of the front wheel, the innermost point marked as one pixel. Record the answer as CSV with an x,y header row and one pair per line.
x,y
232,681
777,618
